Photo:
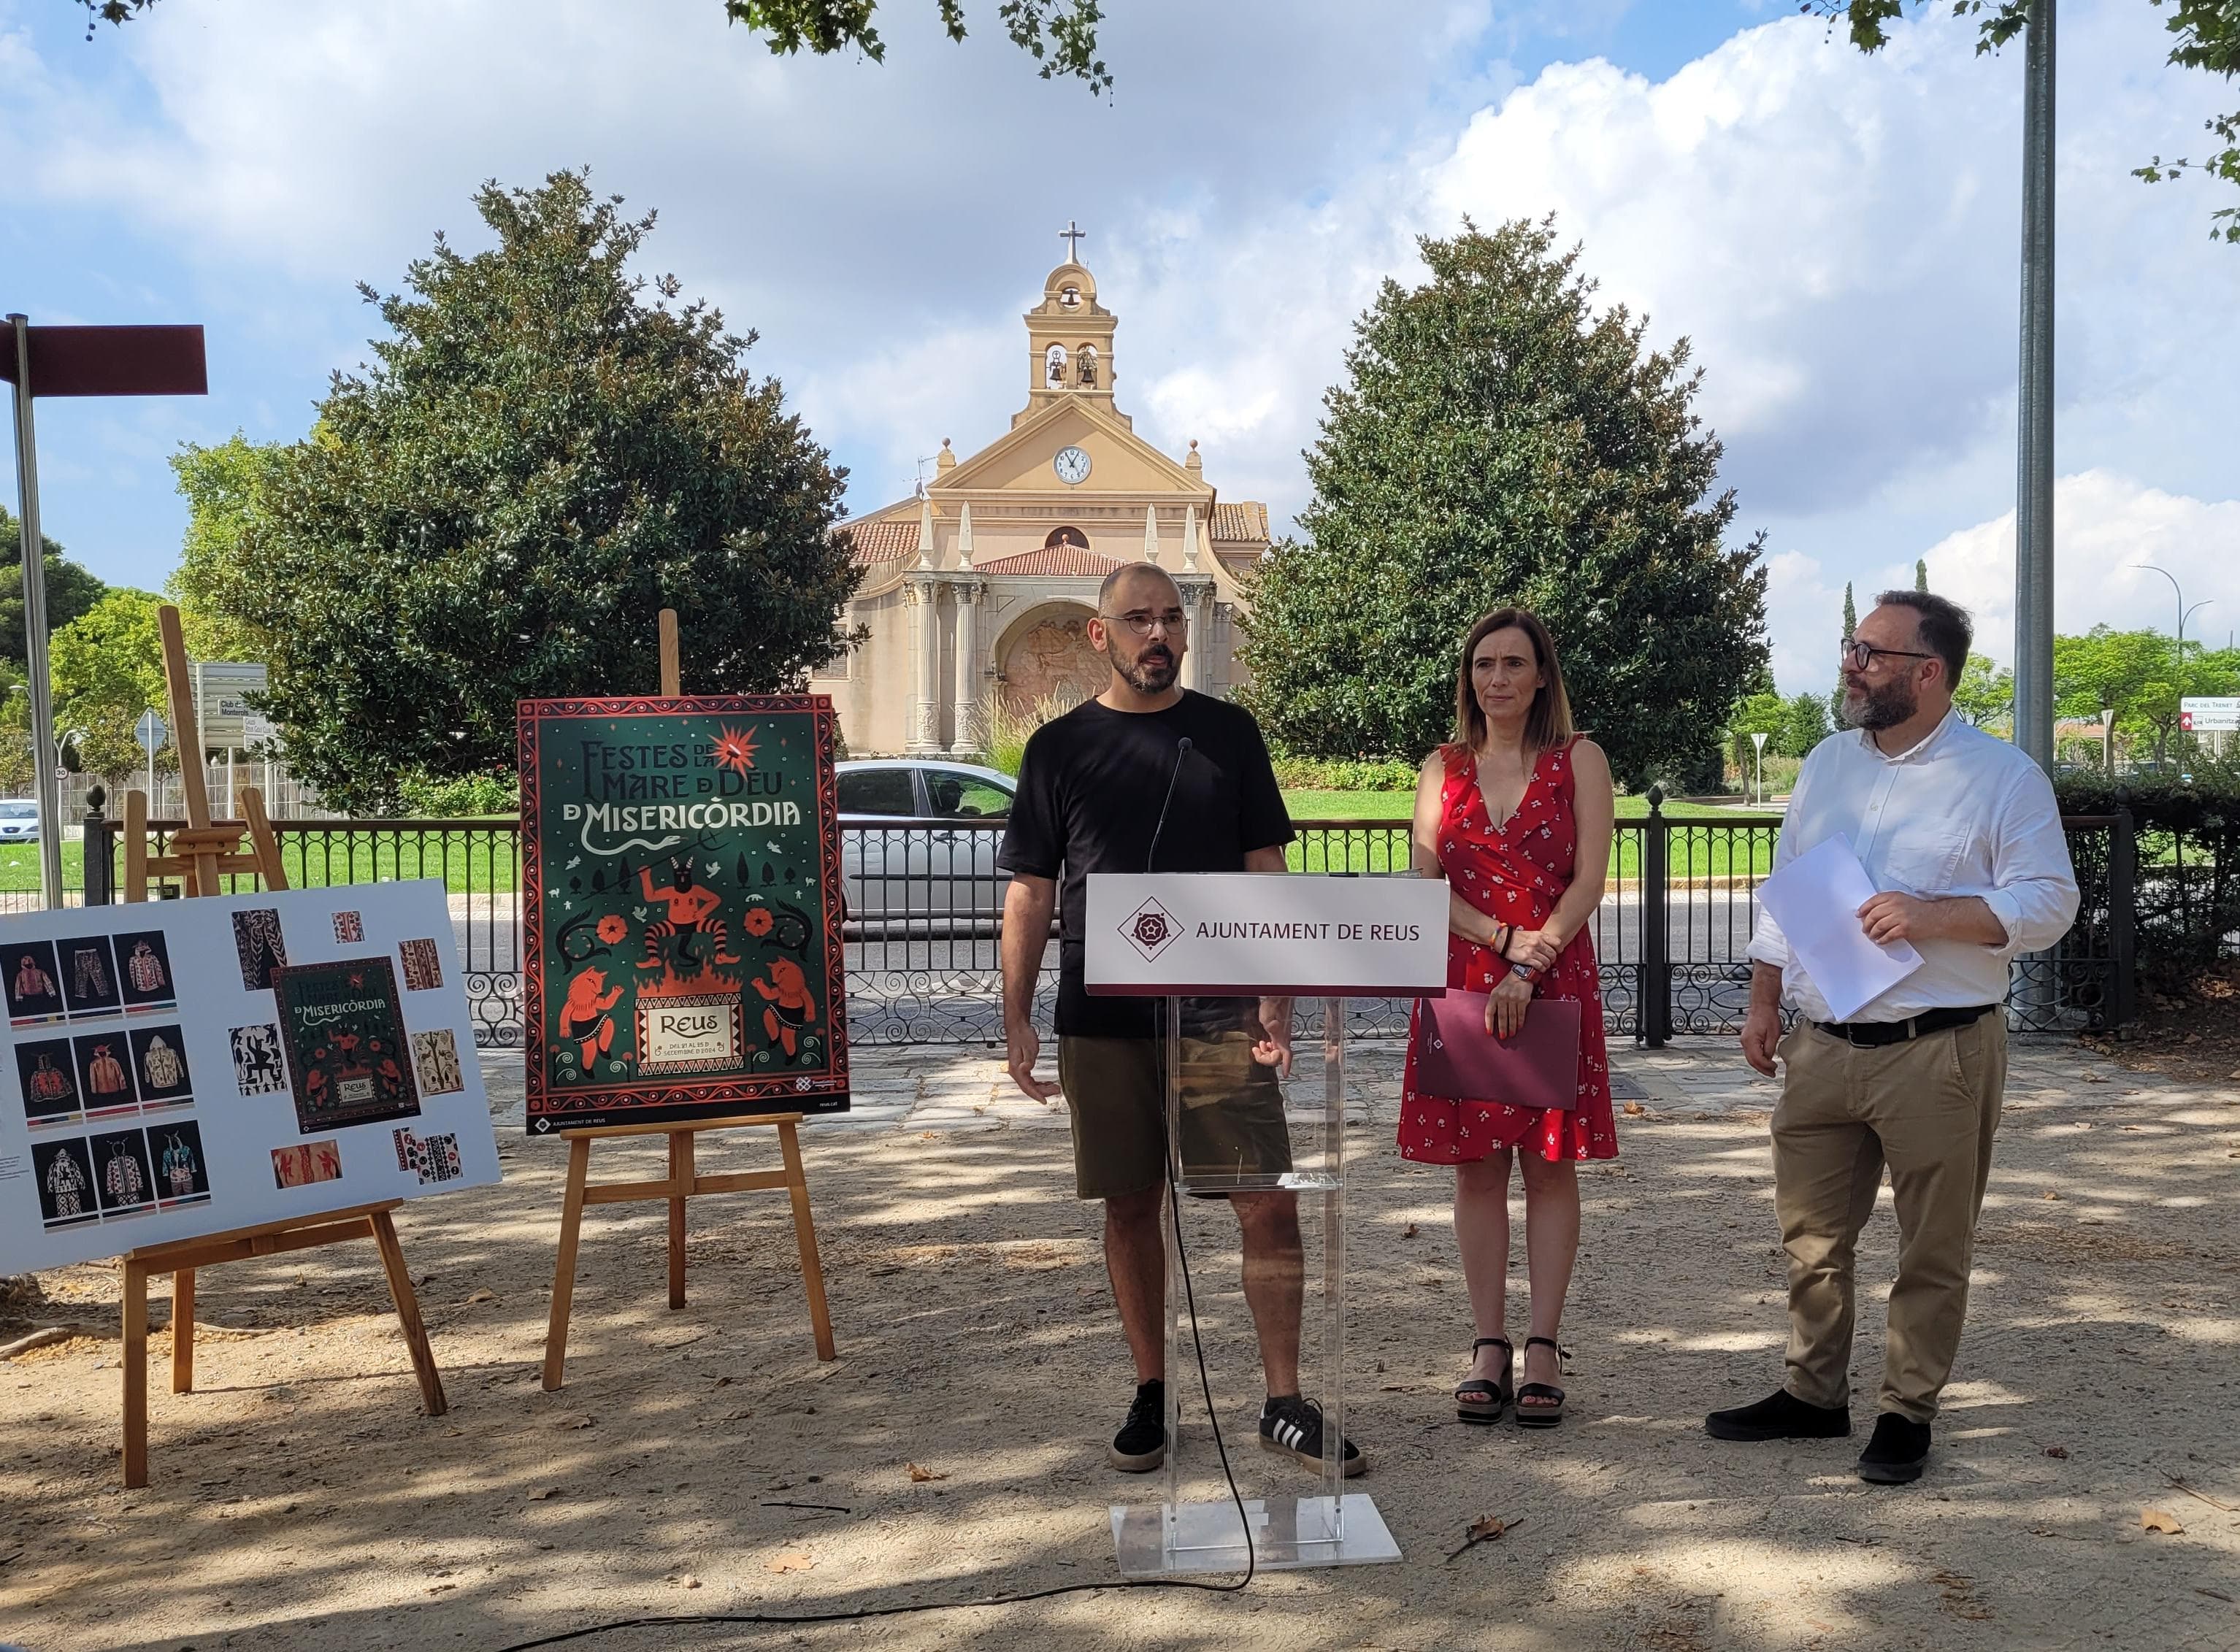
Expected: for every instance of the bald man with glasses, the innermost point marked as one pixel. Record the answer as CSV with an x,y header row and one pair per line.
x,y
1962,839
1149,776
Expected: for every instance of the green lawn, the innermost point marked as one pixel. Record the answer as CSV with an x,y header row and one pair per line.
x,y
478,860
1692,854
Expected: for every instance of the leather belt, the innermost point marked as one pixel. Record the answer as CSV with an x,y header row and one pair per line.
x,y
1868,1035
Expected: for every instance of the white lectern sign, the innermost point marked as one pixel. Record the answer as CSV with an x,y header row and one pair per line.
x,y
1188,934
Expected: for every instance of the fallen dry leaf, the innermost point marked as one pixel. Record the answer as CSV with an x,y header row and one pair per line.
x,y
575,1419
2049,1194
482,1297
791,1561
1410,1231
545,1495
2162,1521
691,1581
1635,1109
919,1476
2058,1451
1485,1529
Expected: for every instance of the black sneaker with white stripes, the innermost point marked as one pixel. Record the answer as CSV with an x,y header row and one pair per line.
x,y
1295,1425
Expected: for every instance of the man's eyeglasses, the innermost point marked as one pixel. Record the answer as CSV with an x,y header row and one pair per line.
x,y
1861,656
1143,623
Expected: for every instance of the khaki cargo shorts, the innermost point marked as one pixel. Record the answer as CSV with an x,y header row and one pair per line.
x,y
1232,1113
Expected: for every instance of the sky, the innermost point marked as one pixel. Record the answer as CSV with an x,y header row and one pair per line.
x,y
1836,235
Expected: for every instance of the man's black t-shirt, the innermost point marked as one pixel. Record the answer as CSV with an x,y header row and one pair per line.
x,y
1091,785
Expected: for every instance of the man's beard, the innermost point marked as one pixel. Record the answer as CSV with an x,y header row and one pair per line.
x,y
1152,671
1880,708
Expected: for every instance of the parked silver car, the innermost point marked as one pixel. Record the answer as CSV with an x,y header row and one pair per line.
x,y
918,841
19,821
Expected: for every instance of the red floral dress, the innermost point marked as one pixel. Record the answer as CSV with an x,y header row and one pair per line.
x,y
1514,872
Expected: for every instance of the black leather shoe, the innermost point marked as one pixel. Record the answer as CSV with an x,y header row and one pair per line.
x,y
1898,1452
1780,1416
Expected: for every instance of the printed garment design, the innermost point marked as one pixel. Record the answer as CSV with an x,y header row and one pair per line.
x,y
161,1066
434,1158
179,1172
89,975
256,938
103,1077
29,976
144,971
159,1059
308,1162
344,1030
424,965
436,1058
258,1069
128,1180
350,928
50,1079
69,1184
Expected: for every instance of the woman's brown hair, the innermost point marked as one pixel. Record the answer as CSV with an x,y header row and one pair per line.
x,y
1548,724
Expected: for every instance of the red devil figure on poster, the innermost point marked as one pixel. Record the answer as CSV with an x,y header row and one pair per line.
x,y
792,1006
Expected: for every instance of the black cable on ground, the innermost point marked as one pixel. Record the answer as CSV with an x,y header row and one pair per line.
x,y
1245,1521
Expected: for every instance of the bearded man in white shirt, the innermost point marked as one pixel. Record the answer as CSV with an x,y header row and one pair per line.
x,y
1961,835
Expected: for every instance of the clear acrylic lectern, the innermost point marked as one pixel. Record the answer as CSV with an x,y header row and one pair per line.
x,y
1214,949
1233,1131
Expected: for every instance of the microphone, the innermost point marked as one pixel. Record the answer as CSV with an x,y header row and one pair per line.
x,y
1182,752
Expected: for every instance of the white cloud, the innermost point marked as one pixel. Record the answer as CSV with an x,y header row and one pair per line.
x,y
1838,235
2105,524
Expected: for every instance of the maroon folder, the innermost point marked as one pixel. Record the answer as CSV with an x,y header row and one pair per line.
x,y
1538,1068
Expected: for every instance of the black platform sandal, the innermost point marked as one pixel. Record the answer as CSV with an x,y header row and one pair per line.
x,y
1482,1399
1549,1410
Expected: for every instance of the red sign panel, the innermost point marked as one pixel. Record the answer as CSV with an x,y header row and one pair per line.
x,y
112,361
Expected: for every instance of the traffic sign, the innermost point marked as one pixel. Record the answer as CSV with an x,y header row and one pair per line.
x,y
2208,714
151,732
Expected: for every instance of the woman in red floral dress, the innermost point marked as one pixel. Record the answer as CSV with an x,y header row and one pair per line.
x,y
1516,816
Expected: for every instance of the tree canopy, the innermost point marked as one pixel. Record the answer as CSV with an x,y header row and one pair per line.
x,y
1499,440
70,590
107,668
537,462
2139,675
2207,37
1060,35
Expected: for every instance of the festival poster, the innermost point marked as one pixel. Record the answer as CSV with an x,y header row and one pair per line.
x,y
681,908
343,1032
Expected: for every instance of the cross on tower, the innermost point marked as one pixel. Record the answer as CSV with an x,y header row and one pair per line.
x,y
1073,235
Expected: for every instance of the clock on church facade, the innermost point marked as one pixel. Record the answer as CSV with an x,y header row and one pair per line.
x,y
976,589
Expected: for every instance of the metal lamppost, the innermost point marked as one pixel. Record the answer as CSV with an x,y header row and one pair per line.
x,y
2184,613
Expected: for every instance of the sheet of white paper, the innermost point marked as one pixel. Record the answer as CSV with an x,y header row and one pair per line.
x,y
1815,900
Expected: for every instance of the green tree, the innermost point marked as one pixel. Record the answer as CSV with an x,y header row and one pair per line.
x,y
1762,712
1498,441
221,486
1921,575
1060,35
2134,673
1836,694
1985,693
107,667
1804,726
2207,37
70,590
539,462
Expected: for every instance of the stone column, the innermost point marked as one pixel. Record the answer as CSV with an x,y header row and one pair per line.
x,y
968,734
1197,665
925,708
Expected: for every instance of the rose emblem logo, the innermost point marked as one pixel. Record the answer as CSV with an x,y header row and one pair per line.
x,y
1150,928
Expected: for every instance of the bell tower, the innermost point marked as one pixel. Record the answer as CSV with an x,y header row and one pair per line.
x,y
1069,335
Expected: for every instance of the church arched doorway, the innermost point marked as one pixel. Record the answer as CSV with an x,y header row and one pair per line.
x,y
1045,662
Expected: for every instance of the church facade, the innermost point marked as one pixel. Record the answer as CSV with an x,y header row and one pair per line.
x,y
977,589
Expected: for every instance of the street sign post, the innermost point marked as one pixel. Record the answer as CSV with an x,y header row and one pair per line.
x,y
221,710
74,361
1758,740
2208,714
151,733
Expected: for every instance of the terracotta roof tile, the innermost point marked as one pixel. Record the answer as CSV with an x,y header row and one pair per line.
x,y
891,539
1051,559
1247,519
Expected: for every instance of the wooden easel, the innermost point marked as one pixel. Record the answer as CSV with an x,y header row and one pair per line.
x,y
205,852
682,1182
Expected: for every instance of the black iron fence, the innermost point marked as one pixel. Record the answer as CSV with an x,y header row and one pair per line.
x,y
925,903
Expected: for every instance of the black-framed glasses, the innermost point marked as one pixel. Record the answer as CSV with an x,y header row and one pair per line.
x,y
1861,656
1142,621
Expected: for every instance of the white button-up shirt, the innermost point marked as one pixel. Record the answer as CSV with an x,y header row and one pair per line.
x,y
1962,813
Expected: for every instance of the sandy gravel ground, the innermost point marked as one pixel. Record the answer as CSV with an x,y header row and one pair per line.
x,y
704,1460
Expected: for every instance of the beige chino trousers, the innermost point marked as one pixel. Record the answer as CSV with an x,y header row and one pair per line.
x,y
1927,1110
